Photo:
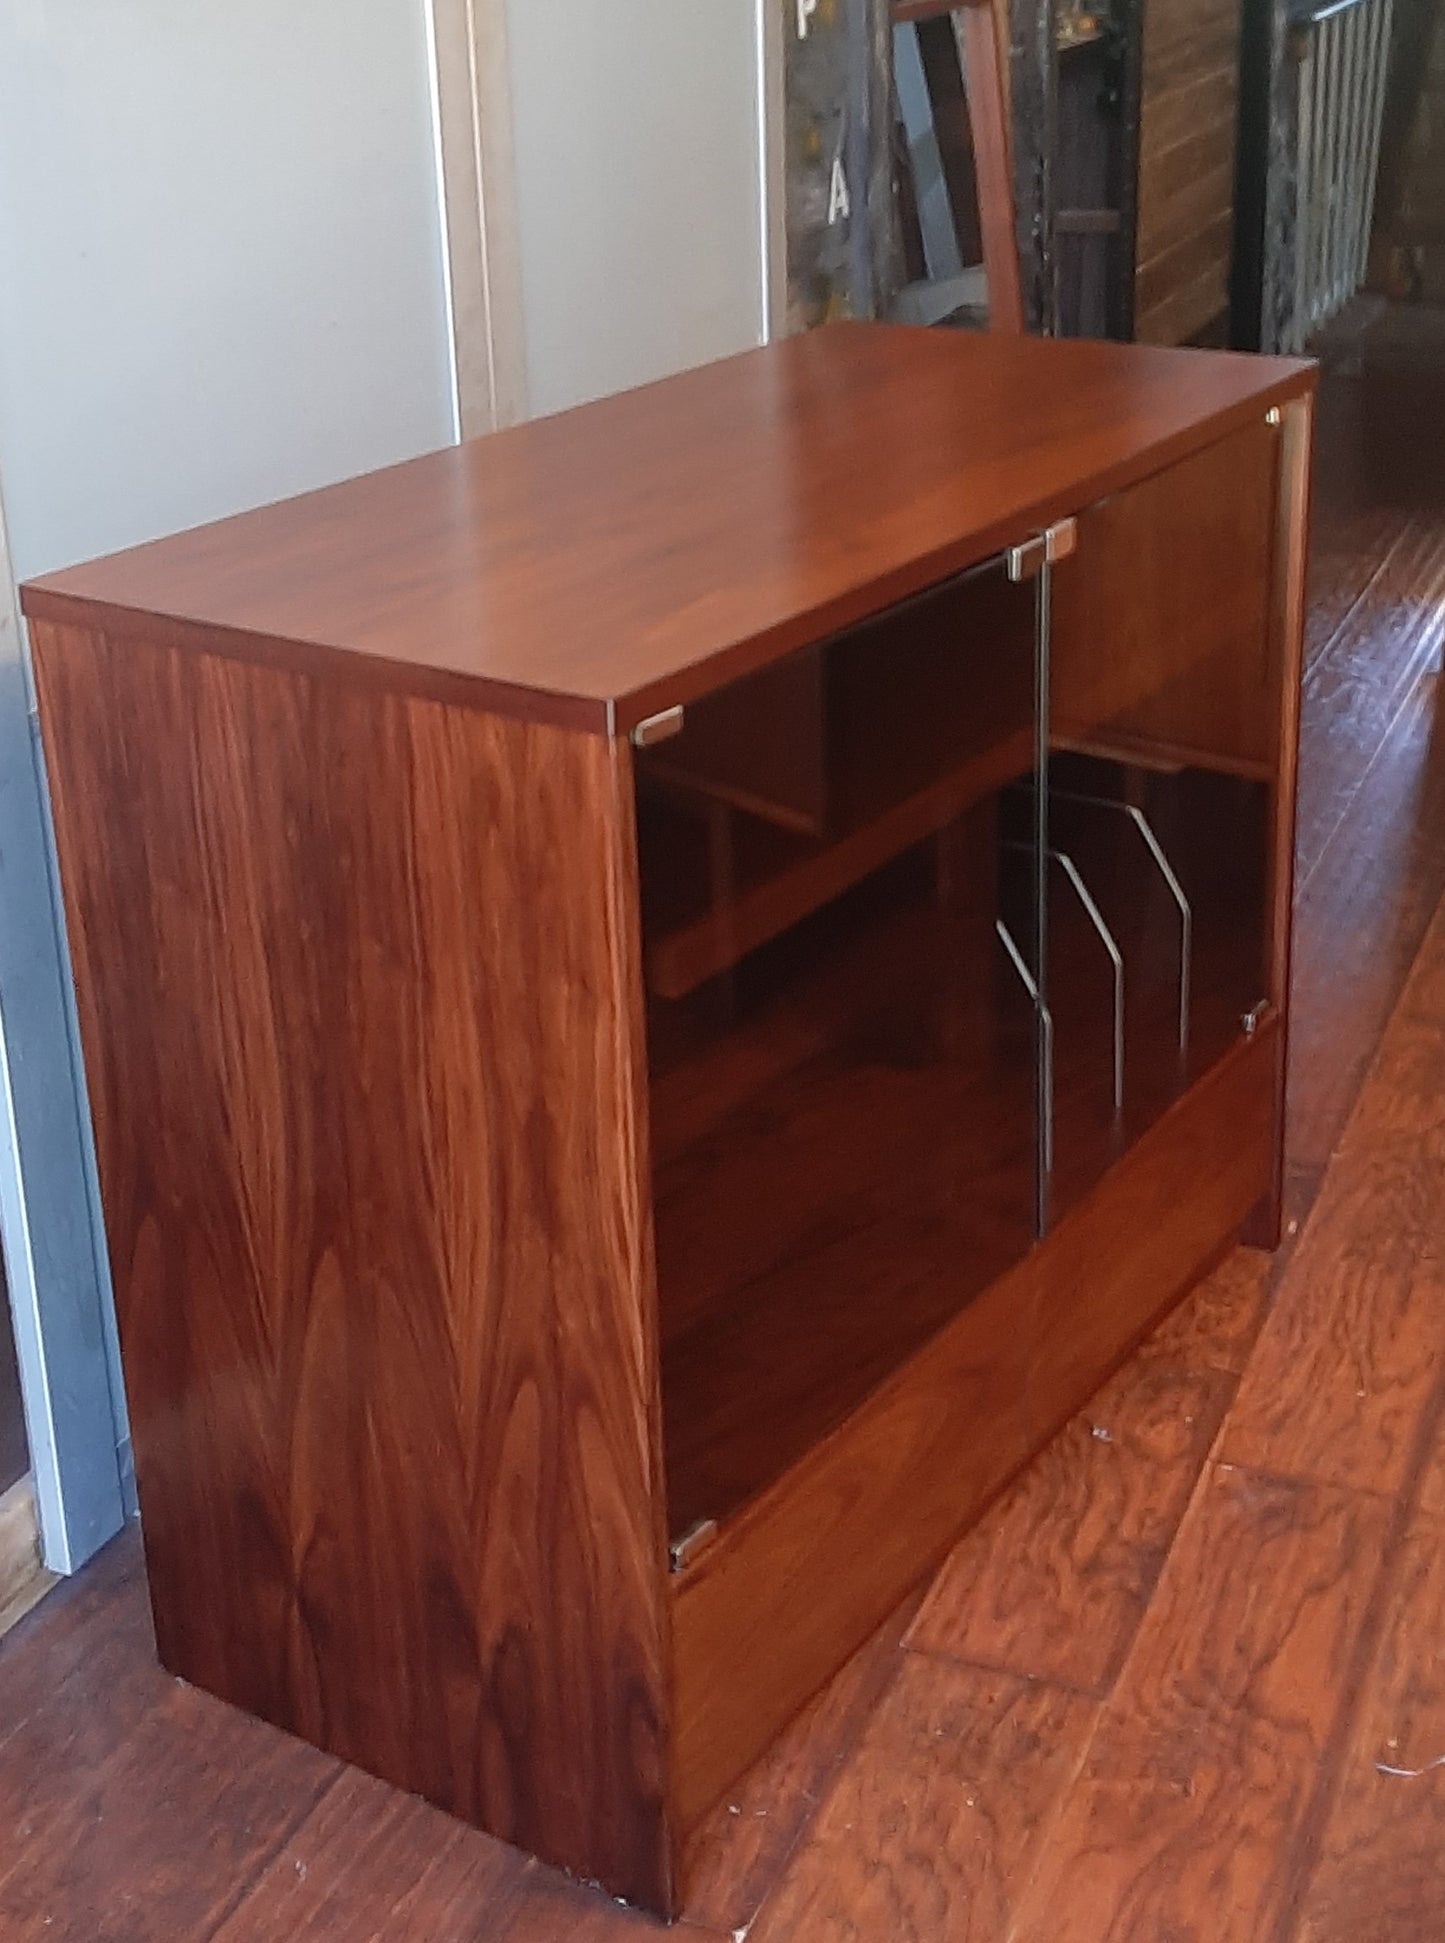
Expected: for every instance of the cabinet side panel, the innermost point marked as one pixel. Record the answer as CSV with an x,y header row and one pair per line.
x,y
357,979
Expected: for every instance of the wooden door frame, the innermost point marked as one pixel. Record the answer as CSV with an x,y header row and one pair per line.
x,y
478,182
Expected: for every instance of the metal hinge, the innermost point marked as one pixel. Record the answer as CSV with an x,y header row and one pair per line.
x,y
682,1551
657,728
1056,542
1254,1018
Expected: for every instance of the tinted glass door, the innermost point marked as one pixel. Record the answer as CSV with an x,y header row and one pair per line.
x,y
1162,737
839,953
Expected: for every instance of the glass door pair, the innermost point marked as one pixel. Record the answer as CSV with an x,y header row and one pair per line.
x,y
939,916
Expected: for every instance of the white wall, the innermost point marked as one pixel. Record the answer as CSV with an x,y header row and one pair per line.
x,y
636,130
221,281
221,274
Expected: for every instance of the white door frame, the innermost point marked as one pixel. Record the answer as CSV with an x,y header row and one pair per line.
x,y
55,1262
477,166
51,1227
478,180
776,19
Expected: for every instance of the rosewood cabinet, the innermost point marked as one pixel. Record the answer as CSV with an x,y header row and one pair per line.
x,y
665,994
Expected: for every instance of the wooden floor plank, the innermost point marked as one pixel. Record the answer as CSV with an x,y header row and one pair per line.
x,y
369,1862
1359,923
1349,1355
1380,1877
1217,1324
1053,1583
1182,1820
554,1910
133,1807
1348,549
743,1845
24,1580
65,1711
931,1828
159,1837
1346,1364
77,1618
1355,687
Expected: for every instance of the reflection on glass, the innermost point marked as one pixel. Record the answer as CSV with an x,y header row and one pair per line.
x,y
1170,866
842,1066
909,998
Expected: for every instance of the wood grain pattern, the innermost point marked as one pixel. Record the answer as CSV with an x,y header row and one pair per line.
x,y
1373,1322
1378,1878
985,69
636,553
1360,921
1188,113
870,1509
1182,262
1054,1581
1356,685
361,1051
1350,1354
1373,765
1200,156
1217,1324
1349,550
742,1847
124,1770
931,1829
71,1705
1189,310
369,1863
76,1618
1193,207
1202,1767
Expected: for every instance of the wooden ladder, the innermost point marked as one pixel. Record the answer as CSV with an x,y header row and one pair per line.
x,y
982,34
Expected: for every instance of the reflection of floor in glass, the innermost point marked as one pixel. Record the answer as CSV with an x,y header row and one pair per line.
x,y
844,1136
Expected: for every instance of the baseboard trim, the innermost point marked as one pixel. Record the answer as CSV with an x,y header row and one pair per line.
x,y
24,1580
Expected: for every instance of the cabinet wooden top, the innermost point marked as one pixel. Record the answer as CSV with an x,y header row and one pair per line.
x,y
591,568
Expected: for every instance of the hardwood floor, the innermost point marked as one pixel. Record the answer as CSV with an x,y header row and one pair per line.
x,y
1186,1680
